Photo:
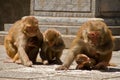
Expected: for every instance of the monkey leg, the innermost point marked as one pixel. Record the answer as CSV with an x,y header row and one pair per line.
x,y
10,49
101,65
16,57
32,53
57,58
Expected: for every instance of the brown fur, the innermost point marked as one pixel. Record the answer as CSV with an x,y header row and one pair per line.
x,y
24,40
93,39
52,47
84,62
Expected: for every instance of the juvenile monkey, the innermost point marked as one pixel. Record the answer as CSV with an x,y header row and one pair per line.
x,y
23,41
84,62
52,47
93,39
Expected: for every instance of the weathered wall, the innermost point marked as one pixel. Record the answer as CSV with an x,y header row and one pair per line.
x,y
108,8
63,8
12,10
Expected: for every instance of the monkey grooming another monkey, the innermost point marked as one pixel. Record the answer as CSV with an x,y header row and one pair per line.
x,y
23,41
95,40
52,47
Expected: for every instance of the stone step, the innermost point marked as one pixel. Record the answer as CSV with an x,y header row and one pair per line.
x,y
66,21
67,39
67,30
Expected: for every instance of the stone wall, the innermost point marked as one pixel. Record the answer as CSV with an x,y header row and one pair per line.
x,y
63,8
109,10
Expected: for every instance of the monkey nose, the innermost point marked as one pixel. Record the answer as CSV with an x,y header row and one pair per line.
x,y
92,34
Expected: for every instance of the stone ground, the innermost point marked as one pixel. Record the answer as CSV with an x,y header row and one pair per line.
x,y
12,71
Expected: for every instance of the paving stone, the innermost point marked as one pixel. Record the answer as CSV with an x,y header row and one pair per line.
x,y
12,71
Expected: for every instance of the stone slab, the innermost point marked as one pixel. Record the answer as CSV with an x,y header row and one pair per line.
x,y
63,5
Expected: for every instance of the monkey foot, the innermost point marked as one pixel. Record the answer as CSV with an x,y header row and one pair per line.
x,y
28,63
45,62
18,61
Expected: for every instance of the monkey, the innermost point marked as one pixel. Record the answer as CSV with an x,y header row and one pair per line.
x,y
84,62
23,41
52,48
93,39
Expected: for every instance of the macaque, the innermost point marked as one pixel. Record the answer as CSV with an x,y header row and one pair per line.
x,y
52,47
23,41
93,39
84,62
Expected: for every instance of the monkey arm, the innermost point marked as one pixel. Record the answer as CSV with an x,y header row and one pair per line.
x,y
21,42
43,52
40,37
69,59
76,48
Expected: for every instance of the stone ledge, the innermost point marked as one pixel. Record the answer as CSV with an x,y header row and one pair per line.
x,y
67,39
66,21
67,30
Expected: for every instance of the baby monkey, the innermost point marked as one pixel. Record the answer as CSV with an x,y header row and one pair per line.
x,y
52,47
84,62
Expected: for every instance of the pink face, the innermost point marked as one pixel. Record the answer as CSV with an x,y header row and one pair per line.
x,y
94,36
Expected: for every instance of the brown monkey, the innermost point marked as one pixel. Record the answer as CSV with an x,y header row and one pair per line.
x,y
24,40
52,47
84,62
95,40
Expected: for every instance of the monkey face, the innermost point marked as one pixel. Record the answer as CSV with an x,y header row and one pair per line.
x,y
94,36
51,36
31,30
30,26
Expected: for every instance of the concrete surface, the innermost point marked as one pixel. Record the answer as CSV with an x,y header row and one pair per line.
x,y
12,71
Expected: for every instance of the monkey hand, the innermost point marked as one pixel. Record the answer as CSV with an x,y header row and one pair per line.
x,y
62,67
28,63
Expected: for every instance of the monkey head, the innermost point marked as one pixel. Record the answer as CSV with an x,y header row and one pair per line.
x,y
84,62
97,32
51,36
81,59
30,24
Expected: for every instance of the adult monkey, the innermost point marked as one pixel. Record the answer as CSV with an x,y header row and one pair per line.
x,y
95,40
23,41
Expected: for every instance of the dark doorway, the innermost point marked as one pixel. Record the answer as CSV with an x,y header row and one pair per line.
x,y
108,8
12,10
